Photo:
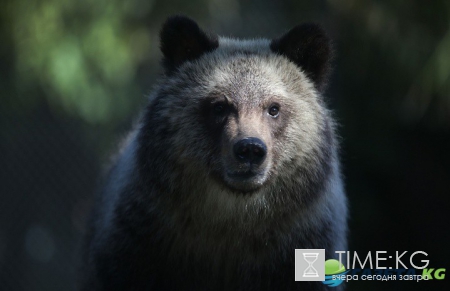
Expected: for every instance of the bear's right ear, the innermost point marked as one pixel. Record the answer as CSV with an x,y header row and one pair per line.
x,y
308,46
182,40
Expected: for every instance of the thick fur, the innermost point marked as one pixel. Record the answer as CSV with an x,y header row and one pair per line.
x,y
168,218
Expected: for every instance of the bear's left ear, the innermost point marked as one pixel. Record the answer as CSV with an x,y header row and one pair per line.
x,y
308,46
182,40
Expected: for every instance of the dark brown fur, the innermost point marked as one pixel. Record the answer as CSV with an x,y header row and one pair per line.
x,y
170,216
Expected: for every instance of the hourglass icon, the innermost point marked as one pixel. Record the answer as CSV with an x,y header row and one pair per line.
x,y
310,271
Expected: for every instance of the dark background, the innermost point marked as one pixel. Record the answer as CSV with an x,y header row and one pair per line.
x,y
74,75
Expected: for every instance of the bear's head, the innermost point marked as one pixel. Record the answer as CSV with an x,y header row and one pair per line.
x,y
245,114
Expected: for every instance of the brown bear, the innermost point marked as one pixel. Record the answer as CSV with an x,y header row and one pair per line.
x,y
233,165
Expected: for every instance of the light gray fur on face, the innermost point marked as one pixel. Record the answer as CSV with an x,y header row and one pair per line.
x,y
252,77
252,81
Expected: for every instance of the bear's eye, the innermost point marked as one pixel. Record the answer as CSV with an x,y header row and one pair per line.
x,y
274,110
219,108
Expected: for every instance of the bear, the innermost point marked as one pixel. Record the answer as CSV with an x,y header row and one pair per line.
x,y
232,166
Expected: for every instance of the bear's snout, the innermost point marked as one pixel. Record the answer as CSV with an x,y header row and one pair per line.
x,y
250,150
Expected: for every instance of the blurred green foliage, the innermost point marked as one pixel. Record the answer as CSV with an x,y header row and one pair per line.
x,y
85,54
416,35
82,53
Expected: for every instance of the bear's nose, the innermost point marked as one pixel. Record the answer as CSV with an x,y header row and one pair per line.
x,y
250,149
